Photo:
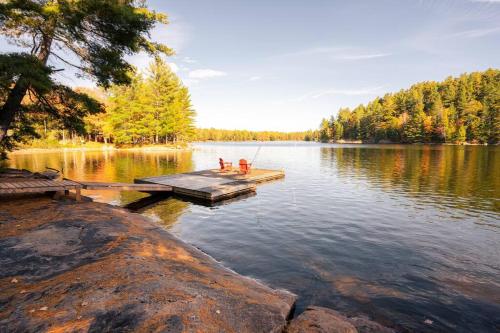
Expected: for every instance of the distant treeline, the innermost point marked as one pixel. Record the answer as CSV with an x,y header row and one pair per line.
x,y
463,109
213,134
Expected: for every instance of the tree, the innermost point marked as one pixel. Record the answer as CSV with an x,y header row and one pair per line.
x,y
173,113
155,108
91,36
324,130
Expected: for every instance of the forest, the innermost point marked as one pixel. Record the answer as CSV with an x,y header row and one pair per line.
x,y
456,110
212,134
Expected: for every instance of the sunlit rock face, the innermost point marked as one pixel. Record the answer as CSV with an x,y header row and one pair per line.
x,y
91,267
322,320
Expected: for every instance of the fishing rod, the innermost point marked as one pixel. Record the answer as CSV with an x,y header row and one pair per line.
x,y
256,153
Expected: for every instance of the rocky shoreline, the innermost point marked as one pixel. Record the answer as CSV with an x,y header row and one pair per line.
x,y
92,267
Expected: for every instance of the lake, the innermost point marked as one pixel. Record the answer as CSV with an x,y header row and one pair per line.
x,y
407,235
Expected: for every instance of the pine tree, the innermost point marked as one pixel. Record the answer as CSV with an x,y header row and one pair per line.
x,y
155,108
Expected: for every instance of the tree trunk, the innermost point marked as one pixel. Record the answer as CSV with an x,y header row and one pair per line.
x,y
12,105
16,95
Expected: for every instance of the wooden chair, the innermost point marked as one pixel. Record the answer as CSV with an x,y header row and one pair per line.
x,y
245,166
225,166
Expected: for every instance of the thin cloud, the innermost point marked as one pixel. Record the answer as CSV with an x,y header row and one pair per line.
x,y
173,66
362,56
336,53
345,92
190,82
189,60
205,74
311,51
476,33
176,35
348,92
254,78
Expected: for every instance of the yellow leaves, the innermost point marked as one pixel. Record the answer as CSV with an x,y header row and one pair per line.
x,y
157,48
152,15
428,124
51,8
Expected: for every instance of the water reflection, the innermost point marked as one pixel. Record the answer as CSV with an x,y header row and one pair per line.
x,y
455,176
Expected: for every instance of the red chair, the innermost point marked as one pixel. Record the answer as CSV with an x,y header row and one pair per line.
x,y
245,166
225,166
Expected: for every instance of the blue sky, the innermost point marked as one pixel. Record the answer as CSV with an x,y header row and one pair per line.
x,y
283,65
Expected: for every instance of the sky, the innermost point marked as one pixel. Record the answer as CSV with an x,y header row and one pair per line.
x,y
285,64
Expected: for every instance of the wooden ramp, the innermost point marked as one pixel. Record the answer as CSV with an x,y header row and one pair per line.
x,y
214,185
125,187
39,185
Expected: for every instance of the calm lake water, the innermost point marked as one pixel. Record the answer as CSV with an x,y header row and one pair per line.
x,y
402,234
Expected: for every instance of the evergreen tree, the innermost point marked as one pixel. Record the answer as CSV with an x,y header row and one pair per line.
x,y
154,108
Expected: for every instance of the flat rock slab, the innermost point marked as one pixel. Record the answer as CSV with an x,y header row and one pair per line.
x,y
322,320
68,267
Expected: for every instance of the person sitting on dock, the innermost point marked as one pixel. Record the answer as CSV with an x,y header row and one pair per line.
x,y
225,166
245,166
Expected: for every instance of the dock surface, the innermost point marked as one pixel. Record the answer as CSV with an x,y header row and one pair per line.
x,y
20,185
124,187
214,185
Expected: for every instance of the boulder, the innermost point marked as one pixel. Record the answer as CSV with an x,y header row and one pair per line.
x,y
365,325
317,319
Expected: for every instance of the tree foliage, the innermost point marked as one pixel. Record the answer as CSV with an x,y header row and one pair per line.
x,y
154,108
91,36
456,110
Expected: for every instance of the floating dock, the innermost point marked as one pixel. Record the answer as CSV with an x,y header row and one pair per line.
x,y
214,185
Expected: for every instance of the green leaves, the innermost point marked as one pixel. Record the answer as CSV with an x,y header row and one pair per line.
x,y
154,108
14,66
460,109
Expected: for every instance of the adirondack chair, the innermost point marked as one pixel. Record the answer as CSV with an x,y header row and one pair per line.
x,y
245,166
225,166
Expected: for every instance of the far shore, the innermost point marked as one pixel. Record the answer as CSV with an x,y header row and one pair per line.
x,y
101,148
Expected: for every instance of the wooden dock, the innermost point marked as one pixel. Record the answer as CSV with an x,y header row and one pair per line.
x,y
214,185
40,186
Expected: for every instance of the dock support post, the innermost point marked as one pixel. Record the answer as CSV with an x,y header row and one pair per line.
x,y
78,196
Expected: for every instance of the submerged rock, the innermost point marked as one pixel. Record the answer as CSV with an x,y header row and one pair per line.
x,y
93,267
316,319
